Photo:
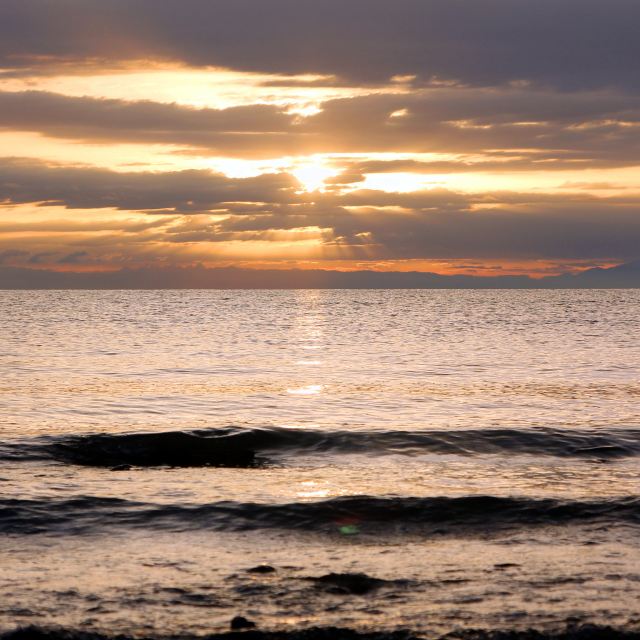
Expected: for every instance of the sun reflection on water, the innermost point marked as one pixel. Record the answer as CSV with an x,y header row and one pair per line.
x,y
309,390
313,489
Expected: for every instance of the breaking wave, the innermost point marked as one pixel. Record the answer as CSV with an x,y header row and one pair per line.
x,y
433,515
245,447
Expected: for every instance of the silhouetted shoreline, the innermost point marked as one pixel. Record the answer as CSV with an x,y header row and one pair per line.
x,y
332,633
623,276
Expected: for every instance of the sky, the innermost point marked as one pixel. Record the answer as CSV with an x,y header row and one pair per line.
x,y
476,137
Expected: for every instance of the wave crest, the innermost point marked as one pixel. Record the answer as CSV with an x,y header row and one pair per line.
x,y
394,515
245,447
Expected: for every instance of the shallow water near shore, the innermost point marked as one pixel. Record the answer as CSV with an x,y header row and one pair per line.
x,y
475,451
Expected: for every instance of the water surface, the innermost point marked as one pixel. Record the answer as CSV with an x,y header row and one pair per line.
x,y
478,450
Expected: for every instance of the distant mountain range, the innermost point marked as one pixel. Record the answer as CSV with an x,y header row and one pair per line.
x,y
623,276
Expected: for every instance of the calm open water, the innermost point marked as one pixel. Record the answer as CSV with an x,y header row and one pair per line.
x,y
475,451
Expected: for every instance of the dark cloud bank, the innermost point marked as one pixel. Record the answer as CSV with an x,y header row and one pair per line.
x,y
623,276
431,224
544,84
563,43
593,128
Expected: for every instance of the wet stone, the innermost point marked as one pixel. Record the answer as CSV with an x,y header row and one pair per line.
x,y
240,622
348,583
262,569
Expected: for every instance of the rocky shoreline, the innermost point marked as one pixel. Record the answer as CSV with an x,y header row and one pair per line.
x,y
333,633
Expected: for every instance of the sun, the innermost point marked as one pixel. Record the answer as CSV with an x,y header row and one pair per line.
x,y
312,174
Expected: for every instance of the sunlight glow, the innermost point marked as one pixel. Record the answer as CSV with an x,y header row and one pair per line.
x,y
305,110
400,182
210,87
313,174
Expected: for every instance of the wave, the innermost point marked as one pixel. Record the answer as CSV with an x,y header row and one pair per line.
x,y
330,633
349,515
245,447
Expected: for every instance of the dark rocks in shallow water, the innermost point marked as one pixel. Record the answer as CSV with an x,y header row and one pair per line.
x,y
578,633
40,633
314,633
262,568
331,633
239,622
250,590
348,583
122,467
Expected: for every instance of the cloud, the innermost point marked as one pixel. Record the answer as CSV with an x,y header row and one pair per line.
x,y
74,258
27,181
569,44
210,208
598,128
68,226
560,232
575,127
43,256
86,119
495,85
10,254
